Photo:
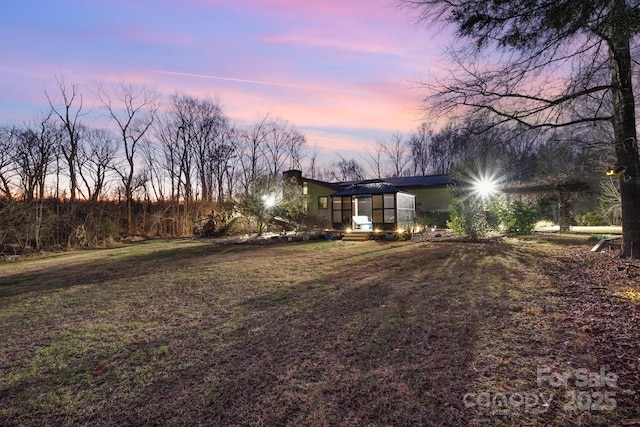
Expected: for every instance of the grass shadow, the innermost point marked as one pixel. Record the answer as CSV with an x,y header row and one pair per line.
x,y
98,267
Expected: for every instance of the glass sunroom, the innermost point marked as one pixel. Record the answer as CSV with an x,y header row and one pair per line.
x,y
374,206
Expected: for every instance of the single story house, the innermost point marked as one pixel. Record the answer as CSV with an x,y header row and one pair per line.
x,y
374,204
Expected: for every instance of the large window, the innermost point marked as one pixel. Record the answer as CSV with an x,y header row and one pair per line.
x,y
323,202
378,212
336,207
389,208
387,211
377,201
346,210
384,208
341,210
406,210
364,206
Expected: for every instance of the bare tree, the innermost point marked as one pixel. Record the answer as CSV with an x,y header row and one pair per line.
x,y
346,170
222,157
204,129
419,143
69,110
284,142
185,122
167,133
296,145
275,149
96,156
393,153
7,167
133,110
195,135
396,152
34,151
251,151
443,150
375,159
313,159
153,156
233,173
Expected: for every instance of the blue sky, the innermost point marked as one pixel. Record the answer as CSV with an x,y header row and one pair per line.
x,y
342,71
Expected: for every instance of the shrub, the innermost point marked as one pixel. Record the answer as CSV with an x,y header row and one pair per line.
x,y
437,219
468,218
475,218
517,217
591,219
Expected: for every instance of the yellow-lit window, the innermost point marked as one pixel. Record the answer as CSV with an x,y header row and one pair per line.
x,y
323,202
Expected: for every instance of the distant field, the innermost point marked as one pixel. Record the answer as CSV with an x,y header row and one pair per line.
x,y
328,333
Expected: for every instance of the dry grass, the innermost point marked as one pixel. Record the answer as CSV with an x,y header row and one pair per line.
x,y
327,333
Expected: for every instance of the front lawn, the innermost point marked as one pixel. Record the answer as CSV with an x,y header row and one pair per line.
x,y
328,333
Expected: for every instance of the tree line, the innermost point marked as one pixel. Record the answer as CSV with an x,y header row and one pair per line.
x,y
132,164
182,158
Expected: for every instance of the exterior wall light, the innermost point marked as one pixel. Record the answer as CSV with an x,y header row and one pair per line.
x,y
618,171
615,170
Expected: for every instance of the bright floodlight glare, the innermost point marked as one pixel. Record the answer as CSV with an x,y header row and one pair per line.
x,y
269,201
485,187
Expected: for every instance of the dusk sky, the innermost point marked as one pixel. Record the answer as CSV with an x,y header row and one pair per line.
x,y
342,71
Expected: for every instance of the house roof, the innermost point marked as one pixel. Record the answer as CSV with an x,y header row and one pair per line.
x,y
368,188
331,185
399,182
406,181
419,181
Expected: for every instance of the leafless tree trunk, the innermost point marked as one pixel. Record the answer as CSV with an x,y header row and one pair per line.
x,y
222,158
34,153
69,113
275,149
396,152
375,159
313,162
419,144
445,150
295,146
346,170
153,155
251,152
96,156
7,167
133,111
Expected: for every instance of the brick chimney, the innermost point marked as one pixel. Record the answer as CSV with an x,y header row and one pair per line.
x,y
293,175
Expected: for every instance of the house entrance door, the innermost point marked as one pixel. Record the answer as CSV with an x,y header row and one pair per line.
x,y
362,206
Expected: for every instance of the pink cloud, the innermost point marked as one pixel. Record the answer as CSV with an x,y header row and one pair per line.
x,y
336,68
369,105
361,45
332,8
